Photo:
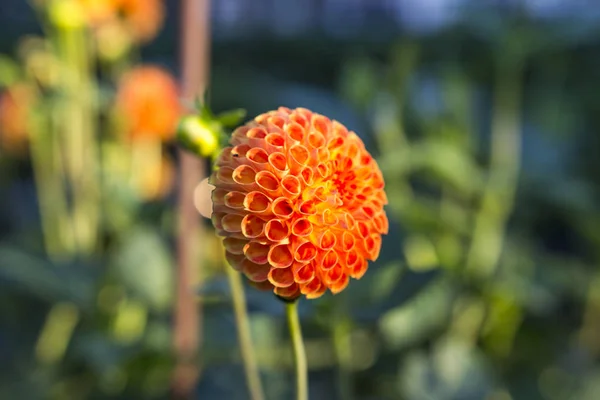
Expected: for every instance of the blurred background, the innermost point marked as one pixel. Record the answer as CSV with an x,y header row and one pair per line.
x,y
482,115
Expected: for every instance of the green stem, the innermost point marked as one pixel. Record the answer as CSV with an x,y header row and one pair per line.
x,y
78,133
499,192
244,336
291,309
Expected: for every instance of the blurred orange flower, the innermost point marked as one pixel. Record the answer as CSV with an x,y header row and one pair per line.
x,y
148,101
299,202
143,18
15,106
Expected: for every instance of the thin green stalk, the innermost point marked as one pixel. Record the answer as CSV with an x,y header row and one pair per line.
x,y
343,352
48,177
244,336
499,192
78,133
291,309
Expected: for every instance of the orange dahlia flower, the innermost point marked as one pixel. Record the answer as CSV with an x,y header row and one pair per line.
x,y
299,202
148,100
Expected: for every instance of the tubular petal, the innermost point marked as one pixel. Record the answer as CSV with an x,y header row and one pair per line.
x,y
234,200
257,156
244,175
235,260
252,226
292,291
277,230
234,245
278,162
255,272
267,181
283,208
280,256
302,227
305,252
257,202
281,277
291,186
303,273
256,252
232,223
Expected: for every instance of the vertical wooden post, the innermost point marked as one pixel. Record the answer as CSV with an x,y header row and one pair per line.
x,y
194,53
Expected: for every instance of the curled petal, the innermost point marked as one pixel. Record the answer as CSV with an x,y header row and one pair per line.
x,y
274,142
363,229
257,202
276,230
217,219
321,124
329,261
280,256
253,226
268,182
255,272
225,175
256,252
316,139
305,252
340,285
290,292
235,260
291,186
352,258
257,157
314,289
218,196
232,223
302,227
234,245
298,157
348,241
282,208
256,133
308,207
281,277
332,276
327,240
359,269
329,218
240,151
234,200
278,163
303,273
296,130
306,174
243,175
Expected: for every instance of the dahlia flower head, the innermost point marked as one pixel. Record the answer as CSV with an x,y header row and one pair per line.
x,y
299,202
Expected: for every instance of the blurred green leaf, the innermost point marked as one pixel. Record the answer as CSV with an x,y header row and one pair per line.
x,y
143,264
45,280
231,118
9,71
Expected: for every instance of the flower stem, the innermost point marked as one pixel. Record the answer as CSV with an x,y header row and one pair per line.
x,y
291,309
244,337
